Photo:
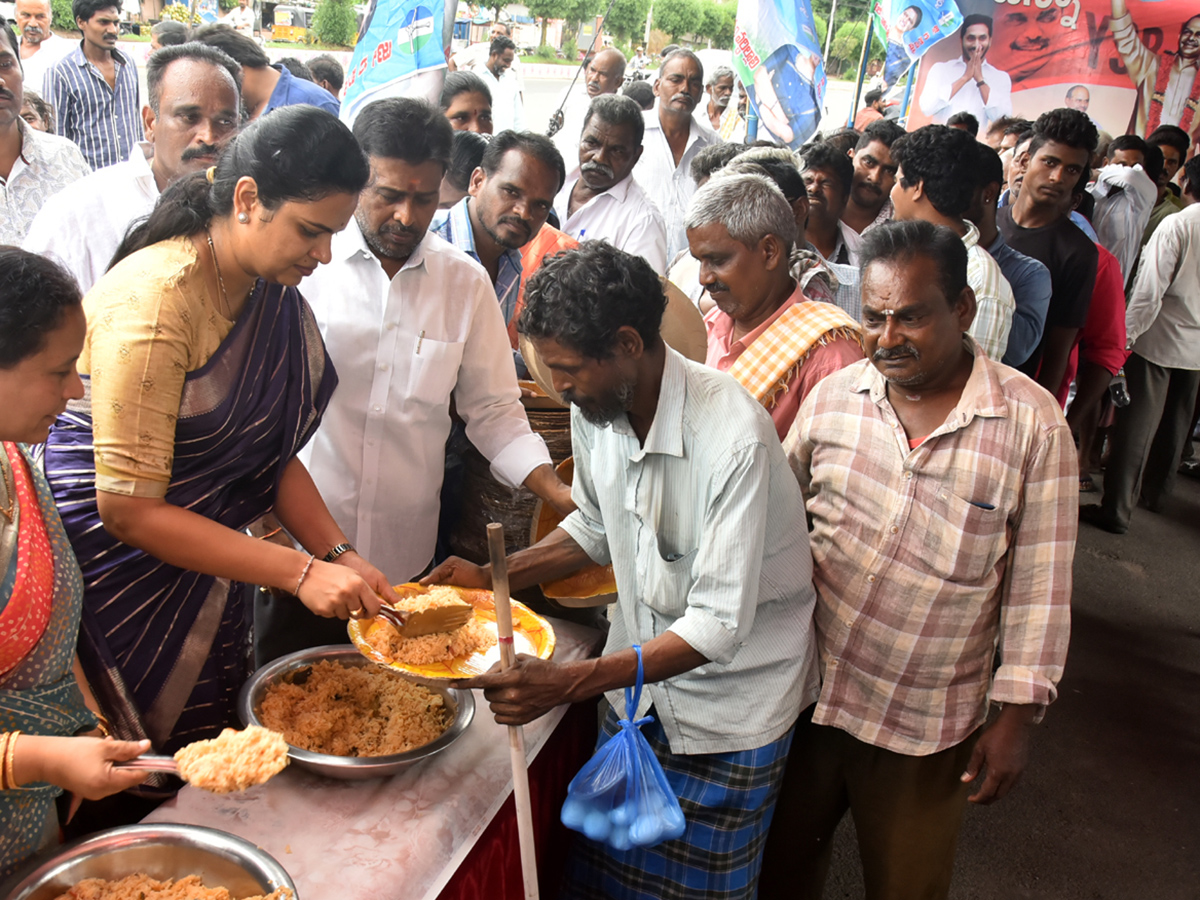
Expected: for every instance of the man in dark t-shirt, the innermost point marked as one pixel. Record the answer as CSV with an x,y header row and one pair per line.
x,y
1038,225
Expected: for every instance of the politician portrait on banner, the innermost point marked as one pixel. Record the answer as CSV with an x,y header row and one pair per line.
x,y
1131,65
909,28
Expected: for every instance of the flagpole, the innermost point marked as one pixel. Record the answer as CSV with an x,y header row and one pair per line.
x,y
862,67
908,89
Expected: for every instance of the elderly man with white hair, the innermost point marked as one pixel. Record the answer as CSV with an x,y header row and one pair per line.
x,y
763,330
41,48
719,87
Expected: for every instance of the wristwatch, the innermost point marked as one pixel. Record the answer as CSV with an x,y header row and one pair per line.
x,y
337,551
981,84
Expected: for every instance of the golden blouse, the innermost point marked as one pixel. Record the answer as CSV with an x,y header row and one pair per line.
x,y
151,321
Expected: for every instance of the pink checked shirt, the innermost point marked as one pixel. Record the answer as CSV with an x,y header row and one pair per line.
x,y
823,359
928,559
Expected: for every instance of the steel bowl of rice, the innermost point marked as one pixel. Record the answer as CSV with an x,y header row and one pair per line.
x,y
345,717
124,863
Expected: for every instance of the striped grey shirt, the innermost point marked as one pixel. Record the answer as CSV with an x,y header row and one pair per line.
x,y
104,122
706,531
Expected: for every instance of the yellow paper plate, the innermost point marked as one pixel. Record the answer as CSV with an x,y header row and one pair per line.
x,y
531,634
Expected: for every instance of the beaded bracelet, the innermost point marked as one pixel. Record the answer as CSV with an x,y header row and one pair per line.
x,y
304,574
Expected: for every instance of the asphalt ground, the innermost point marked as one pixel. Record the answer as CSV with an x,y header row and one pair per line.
x,y
1109,807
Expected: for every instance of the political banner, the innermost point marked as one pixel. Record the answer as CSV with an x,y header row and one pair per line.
x,y
401,51
908,28
1131,65
777,57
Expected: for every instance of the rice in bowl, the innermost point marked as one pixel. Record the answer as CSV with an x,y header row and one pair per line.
x,y
353,711
143,887
429,649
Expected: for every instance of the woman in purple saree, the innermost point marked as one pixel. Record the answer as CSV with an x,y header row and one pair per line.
x,y
205,374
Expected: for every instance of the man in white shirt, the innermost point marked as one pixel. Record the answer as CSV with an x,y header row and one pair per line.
x,y
682,485
411,324
41,48
1125,193
602,75
508,109
673,138
604,202
194,110
1163,368
241,18
970,83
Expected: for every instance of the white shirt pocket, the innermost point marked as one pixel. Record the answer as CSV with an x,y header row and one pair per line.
x,y
434,371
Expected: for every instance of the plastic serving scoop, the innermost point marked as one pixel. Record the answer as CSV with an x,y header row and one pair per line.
x,y
428,621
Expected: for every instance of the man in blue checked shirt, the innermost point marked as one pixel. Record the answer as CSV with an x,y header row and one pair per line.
x,y
681,485
94,89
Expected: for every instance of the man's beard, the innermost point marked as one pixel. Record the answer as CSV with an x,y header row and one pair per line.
x,y
616,404
382,250
506,242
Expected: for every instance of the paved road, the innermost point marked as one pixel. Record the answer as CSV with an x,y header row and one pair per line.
x,y
1109,808
542,98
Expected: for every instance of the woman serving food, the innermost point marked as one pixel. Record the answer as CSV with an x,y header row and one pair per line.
x,y
205,374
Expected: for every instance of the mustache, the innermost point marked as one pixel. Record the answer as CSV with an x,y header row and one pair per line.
x,y
6,94
32,30
399,230
518,222
198,151
598,168
717,286
902,352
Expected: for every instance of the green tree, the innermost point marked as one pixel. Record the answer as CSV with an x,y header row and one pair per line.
x,y
546,10
678,17
716,24
61,16
334,23
628,20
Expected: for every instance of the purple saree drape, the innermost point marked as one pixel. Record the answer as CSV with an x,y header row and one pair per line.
x,y
168,649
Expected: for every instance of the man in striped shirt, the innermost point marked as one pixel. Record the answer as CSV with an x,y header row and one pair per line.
x,y
935,182
681,484
942,487
94,90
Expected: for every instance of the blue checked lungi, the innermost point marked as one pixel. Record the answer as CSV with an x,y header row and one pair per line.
x,y
727,799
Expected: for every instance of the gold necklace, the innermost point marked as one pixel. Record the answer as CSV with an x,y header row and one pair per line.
x,y
5,464
217,266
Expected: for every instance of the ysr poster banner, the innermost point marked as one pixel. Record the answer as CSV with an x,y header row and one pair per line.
x,y
777,56
909,28
401,51
1131,65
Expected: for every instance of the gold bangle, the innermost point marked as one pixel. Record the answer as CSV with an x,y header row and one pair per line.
x,y
103,725
4,768
9,771
304,574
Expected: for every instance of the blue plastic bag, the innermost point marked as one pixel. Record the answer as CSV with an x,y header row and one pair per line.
x,y
621,796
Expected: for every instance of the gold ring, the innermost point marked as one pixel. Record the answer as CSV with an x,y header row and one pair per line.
x,y
357,614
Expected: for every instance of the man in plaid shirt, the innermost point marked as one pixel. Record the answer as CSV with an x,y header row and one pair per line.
x,y
942,487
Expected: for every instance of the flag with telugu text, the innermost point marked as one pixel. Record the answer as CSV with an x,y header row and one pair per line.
x,y
777,56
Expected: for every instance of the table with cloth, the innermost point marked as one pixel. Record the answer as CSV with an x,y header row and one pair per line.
x,y
443,827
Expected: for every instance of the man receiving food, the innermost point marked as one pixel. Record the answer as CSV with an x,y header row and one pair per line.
x,y
681,484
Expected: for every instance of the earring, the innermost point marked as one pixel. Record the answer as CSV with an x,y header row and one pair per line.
x,y
243,218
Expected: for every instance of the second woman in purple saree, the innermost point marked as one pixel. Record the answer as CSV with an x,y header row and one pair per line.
x,y
205,375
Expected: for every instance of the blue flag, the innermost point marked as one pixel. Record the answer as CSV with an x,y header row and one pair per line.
x,y
908,28
400,44
777,55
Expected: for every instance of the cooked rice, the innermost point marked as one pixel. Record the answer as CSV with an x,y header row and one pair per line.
x,y
429,649
143,887
354,711
233,761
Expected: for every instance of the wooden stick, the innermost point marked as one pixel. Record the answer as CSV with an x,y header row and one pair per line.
x,y
516,734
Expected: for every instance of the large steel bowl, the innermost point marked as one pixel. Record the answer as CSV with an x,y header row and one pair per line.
x,y
160,851
460,703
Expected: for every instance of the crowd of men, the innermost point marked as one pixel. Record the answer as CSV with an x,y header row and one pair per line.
x,y
859,513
